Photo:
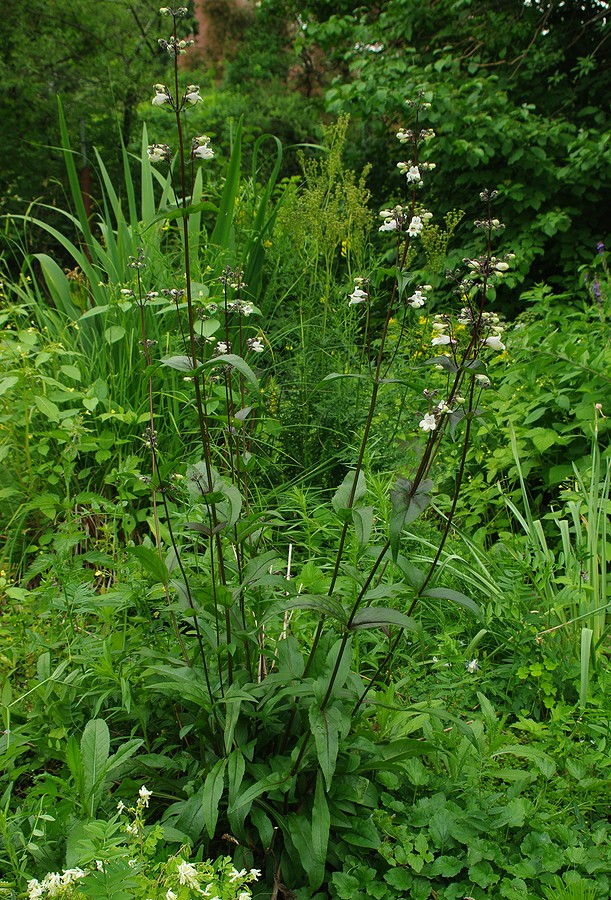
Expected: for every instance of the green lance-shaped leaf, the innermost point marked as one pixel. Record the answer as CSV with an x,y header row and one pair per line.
x,y
441,593
95,747
326,726
214,786
321,603
383,616
150,562
407,505
321,821
362,518
341,498
230,359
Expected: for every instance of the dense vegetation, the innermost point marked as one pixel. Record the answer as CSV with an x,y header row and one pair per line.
x,y
305,469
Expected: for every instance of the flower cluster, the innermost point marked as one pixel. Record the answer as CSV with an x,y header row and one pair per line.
x,y
418,298
200,148
396,219
54,884
360,294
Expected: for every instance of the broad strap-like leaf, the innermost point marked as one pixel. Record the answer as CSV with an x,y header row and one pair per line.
x,y
214,786
95,747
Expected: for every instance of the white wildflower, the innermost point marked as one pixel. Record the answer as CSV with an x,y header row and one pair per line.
x,y
256,345
357,296
415,226
428,423
162,95
472,667
417,299
187,874
192,95
145,795
235,874
494,342
441,339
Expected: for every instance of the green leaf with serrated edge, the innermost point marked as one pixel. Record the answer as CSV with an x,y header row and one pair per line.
x,y
441,593
236,362
95,746
214,785
321,821
380,616
341,498
325,727
151,563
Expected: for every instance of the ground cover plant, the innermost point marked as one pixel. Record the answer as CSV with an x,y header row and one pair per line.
x,y
269,626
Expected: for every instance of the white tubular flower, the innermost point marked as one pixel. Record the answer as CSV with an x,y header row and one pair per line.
x,y
158,153
501,266
472,667
201,148
162,95
187,874
390,225
413,175
256,345
483,381
145,795
494,342
428,423
417,299
357,297
235,874
222,348
170,895
404,136
192,94
255,874
415,226
34,889
441,339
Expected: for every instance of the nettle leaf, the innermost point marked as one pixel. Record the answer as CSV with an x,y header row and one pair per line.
x,y
407,505
341,498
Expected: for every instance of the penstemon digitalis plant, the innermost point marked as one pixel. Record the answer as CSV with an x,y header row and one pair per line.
x,y
275,718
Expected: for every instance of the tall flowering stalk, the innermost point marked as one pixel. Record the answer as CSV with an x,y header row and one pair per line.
x,y
459,362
